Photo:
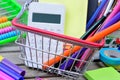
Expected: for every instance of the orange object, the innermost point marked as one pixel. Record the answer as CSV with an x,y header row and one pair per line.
x,y
98,36
3,19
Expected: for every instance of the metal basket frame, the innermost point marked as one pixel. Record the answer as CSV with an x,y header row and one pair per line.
x,y
52,36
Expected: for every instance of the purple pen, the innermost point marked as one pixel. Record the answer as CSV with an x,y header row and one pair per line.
x,y
68,63
96,14
10,72
115,19
13,67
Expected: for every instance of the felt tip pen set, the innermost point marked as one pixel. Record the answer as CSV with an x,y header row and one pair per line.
x,y
45,47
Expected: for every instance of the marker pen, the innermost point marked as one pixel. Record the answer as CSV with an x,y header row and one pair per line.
x,y
4,76
12,66
10,72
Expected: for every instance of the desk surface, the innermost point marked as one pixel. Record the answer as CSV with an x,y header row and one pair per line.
x,y
11,52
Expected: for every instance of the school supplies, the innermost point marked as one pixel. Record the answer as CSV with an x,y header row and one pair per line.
x,y
107,73
96,14
10,72
79,65
66,64
113,20
3,76
92,28
115,10
9,9
98,36
60,38
12,66
51,35
110,56
76,16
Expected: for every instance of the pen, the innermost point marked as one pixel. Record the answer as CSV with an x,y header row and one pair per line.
x,y
98,36
92,28
115,19
96,14
115,10
84,58
10,72
12,66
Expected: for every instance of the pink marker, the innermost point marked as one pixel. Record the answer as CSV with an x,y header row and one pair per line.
x,y
4,76
116,9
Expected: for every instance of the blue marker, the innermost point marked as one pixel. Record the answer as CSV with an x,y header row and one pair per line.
x,y
96,14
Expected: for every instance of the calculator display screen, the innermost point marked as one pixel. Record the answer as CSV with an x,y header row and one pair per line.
x,y
46,18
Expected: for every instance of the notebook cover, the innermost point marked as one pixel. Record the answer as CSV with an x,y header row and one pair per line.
x,y
107,73
76,16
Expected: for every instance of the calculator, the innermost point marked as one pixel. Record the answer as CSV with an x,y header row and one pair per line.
x,y
50,17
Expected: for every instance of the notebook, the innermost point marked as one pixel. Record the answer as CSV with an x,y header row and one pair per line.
x,y
108,73
76,16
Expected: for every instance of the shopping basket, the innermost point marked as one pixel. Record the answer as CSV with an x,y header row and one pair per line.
x,y
53,64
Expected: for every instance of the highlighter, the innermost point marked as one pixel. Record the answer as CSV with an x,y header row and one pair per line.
x,y
10,72
12,66
4,76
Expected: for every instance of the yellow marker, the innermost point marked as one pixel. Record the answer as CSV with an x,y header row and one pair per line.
x,y
1,58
